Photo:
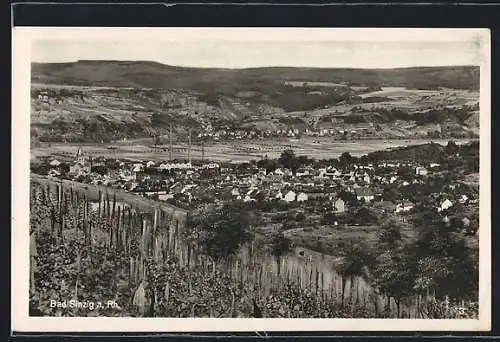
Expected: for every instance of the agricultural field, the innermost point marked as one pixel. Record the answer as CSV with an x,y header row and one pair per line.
x,y
318,147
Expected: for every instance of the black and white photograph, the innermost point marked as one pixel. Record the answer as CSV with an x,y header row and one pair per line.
x,y
305,175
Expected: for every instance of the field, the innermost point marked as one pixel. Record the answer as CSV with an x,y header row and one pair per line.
x,y
142,149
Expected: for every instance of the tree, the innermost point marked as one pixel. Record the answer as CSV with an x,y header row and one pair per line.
x,y
100,169
329,218
365,215
390,235
345,159
356,262
280,245
300,217
446,263
269,164
220,231
405,172
391,194
348,197
288,160
451,148
394,275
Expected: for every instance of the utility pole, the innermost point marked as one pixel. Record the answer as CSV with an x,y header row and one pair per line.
x,y
189,146
171,145
203,150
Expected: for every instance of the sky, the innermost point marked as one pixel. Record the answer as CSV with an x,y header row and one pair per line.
x,y
246,54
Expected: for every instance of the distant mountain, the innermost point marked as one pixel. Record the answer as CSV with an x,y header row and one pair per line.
x,y
230,81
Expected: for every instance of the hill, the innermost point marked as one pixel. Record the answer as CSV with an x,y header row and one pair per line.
x,y
110,100
230,81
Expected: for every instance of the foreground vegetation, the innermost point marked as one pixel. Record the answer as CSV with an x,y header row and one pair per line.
x,y
152,270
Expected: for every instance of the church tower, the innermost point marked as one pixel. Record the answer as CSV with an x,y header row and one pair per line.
x,y
80,158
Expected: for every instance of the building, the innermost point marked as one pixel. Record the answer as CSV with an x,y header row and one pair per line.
x,y
446,204
364,194
466,222
421,171
339,205
404,207
290,196
55,162
302,197
82,164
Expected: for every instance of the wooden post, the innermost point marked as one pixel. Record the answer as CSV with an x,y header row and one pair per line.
x,y
108,208
85,227
317,283
99,213
310,279
76,217
119,223
114,207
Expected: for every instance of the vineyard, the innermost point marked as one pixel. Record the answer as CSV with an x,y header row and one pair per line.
x,y
143,261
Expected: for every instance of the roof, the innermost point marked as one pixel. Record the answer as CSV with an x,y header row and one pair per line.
x,y
364,192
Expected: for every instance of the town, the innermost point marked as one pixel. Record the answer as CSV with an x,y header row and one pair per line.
x,y
347,191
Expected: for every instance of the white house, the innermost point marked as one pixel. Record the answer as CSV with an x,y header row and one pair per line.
x,y
463,199
55,162
211,166
339,205
421,171
465,222
164,197
150,163
279,195
302,173
248,199
54,173
404,207
290,196
302,197
235,192
445,205
278,172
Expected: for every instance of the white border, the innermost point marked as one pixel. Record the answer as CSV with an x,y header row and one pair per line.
x,y
21,322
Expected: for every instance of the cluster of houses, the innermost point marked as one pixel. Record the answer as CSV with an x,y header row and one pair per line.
x,y
290,132
189,185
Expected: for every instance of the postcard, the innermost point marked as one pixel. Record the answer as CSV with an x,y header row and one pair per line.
x,y
251,179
